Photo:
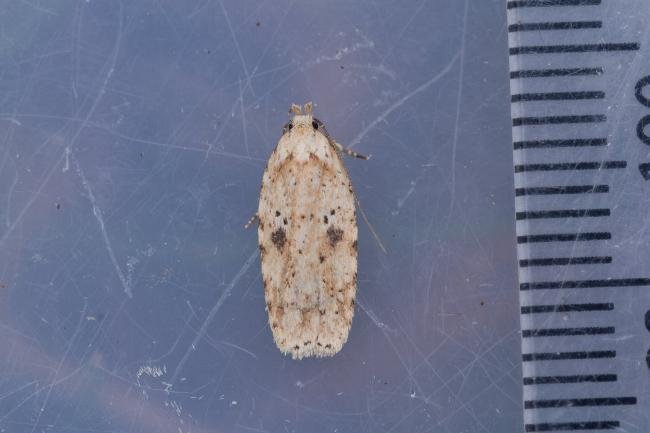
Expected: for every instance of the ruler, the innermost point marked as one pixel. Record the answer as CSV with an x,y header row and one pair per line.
x,y
580,92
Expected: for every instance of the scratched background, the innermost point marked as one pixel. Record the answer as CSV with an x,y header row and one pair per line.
x,y
133,139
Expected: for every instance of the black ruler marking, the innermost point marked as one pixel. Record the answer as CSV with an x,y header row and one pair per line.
x,y
579,402
585,284
562,72
567,332
578,378
568,189
563,356
558,166
561,25
564,308
564,237
557,96
578,48
547,3
571,142
558,120
565,261
583,425
567,213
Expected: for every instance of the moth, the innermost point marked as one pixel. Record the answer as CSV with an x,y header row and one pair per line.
x,y
308,239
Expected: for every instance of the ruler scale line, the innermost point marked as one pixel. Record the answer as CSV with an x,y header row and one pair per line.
x,y
571,426
557,96
548,3
564,356
564,237
558,25
559,72
585,284
560,166
579,402
553,380
564,213
567,332
554,190
570,142
558,120
565,261
578,48
564,308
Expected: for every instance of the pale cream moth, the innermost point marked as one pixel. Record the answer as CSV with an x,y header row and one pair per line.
x,y
308,239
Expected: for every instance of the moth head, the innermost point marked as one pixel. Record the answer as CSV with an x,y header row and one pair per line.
x,y
303,120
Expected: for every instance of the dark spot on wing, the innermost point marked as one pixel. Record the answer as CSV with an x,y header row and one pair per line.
x,y
321,258
277,213
325,219
354,245
279,237
285,221
334,234
332,212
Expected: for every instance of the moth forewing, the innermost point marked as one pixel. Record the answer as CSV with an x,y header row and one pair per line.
x,y
308,241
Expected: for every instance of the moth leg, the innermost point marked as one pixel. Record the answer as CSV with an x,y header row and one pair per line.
x,y
349,152
295,109
309,108
251,221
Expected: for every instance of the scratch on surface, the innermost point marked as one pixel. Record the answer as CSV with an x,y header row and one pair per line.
x,y
342,52
59,367
39,8
460,372
235,346
179,147
97,212
372,229
213,312
151,370
236,42
91,111
379,69
410,191
14,121
243,118
422,87
381,325
10,194
66,167
454,145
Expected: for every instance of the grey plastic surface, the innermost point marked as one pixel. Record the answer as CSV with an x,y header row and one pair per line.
x,y
133,139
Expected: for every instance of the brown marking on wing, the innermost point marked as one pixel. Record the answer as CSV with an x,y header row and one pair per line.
x,y
334,234
279,237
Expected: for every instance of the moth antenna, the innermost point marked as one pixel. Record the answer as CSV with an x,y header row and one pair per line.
x,y
309,108
251,221
295,109
349,152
